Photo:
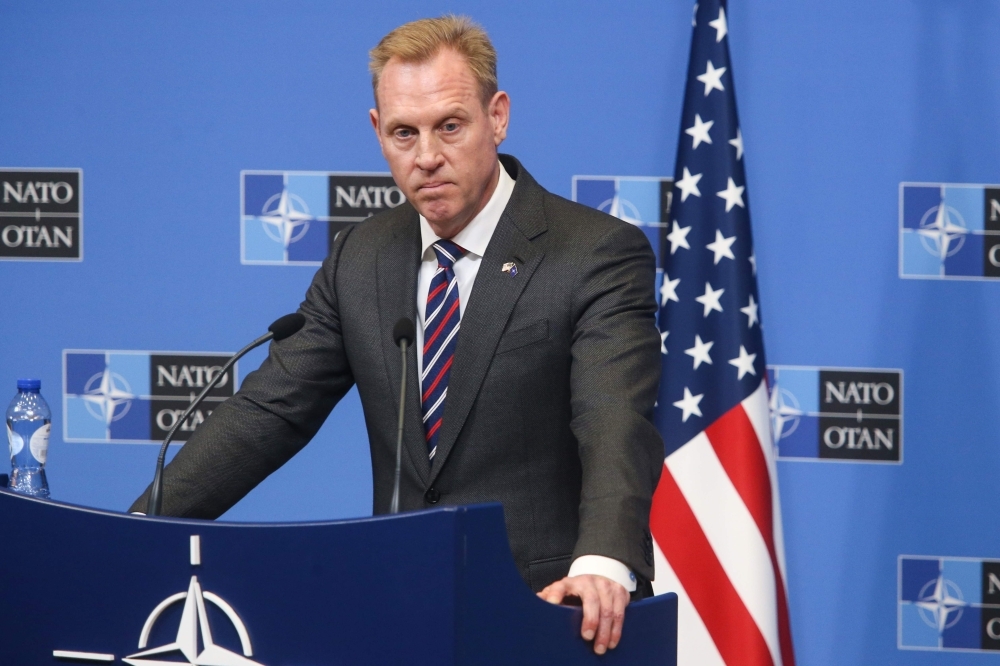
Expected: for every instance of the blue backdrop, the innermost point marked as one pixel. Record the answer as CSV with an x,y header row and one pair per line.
x,y
163,104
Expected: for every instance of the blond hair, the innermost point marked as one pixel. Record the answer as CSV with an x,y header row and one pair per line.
x,y
419,41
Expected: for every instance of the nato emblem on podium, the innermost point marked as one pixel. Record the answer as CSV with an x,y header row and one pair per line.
x,y
193,643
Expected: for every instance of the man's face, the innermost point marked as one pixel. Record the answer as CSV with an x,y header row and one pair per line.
x,y
439,140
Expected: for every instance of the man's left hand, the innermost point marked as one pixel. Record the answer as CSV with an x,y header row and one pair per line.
x,y
603,601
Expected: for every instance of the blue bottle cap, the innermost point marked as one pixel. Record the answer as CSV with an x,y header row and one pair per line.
x,y
29,384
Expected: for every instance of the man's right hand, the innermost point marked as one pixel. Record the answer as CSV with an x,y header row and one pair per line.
x,y
604,603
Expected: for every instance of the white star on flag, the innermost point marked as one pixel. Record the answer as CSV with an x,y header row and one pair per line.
x,y
737,143
699,131
688,184
689,404
663,342
678,237
733,195
722,247
668,290
715,517
700,352
751,312
710,299
712,78
720,25
744,363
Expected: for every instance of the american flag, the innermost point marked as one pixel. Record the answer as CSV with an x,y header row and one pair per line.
x,y
716,518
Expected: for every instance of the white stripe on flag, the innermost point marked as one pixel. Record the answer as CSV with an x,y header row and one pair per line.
x,y
731,531
695,646
756,407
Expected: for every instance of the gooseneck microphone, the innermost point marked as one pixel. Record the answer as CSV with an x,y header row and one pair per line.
x,y
279,330
402,333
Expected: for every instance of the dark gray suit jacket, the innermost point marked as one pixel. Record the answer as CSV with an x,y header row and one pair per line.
x,y
549,399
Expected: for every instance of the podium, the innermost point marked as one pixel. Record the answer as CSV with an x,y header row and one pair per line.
x,y
440,587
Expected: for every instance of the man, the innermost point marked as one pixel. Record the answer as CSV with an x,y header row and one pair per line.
x,y
536,361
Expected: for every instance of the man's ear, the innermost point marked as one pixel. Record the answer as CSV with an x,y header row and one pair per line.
x,y
499,114
373,117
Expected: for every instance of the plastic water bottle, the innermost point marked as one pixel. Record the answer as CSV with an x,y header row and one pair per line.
x,y
29,422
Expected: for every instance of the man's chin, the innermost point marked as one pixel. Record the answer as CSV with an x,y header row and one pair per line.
x,y
438,213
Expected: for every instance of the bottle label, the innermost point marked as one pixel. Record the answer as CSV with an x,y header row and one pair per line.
x,y
39,443
16,441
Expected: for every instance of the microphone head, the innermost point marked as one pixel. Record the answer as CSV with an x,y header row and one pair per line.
x,y
404,330
287,325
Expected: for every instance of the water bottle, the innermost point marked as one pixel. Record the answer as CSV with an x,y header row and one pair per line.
x,y
29,422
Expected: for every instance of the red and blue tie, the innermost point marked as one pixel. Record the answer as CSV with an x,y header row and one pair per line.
x,y
441,323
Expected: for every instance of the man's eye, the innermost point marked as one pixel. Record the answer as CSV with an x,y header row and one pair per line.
x,y
403,133
449,127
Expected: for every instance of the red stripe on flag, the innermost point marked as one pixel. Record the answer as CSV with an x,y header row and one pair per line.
x,y
735,443
680,537
784,624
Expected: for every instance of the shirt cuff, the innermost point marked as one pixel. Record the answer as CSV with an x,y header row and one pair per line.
x,y
598,565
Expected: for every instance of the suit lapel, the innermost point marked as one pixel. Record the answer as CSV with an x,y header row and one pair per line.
x,y
397,265
492,300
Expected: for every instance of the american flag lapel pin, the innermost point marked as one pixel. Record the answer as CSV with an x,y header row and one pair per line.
x,y
510,267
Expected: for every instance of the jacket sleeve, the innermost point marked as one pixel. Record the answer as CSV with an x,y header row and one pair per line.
x,y
277,410
614,378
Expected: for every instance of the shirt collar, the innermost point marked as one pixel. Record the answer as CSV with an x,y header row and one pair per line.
x,y
477,234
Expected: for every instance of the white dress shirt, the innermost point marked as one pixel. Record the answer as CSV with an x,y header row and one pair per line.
x,y
474,239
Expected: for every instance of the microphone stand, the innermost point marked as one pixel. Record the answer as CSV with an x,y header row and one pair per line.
x,y
155,502
394,507
403,333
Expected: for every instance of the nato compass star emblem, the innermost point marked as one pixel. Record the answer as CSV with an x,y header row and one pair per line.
x,y
785,412
193,643
940,603
942,230
193,630
621,208
286,217
108,396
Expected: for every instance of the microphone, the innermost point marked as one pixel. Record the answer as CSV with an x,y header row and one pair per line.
x,y
402,334
285,327
279,330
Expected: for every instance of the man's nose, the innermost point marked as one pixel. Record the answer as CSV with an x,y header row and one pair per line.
x,y
429,155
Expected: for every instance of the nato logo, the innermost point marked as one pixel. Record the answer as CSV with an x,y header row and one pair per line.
x,y
948,603
138,396
643,201
293,217
949,231
844,414
41,214
194,642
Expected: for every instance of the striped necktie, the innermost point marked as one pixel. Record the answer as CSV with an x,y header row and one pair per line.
x,y
441,322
